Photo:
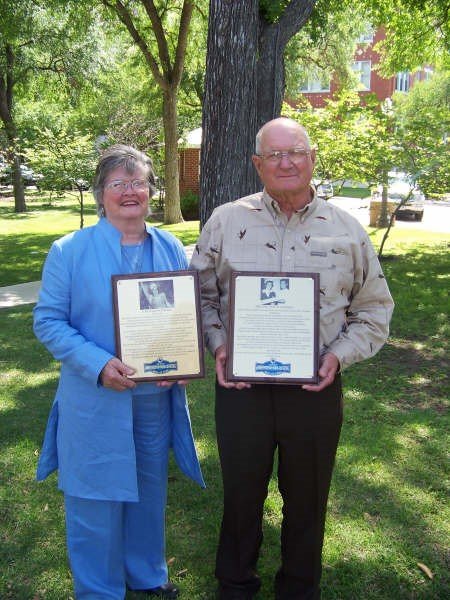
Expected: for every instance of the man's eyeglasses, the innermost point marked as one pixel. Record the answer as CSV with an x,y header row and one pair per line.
x,y
119,185
295,155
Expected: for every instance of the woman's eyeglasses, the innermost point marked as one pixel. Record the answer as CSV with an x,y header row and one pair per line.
x,y
119,185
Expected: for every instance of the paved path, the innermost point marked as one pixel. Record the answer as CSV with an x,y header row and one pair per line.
x,y
22,293
27,293
436,215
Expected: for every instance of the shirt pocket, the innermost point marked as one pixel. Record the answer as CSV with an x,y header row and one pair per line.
x,y
332,259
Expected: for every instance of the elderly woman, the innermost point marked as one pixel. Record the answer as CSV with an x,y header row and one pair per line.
x,y
109,437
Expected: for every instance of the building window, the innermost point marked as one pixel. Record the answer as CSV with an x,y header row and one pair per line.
x,y
367,36
316,83
362,68
402,81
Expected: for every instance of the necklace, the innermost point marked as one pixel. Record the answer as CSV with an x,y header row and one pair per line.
x,y
133,257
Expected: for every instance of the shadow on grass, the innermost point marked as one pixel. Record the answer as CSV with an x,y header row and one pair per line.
x,y
342,582
23,257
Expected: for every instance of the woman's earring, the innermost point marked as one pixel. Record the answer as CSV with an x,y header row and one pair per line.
x,y
102,211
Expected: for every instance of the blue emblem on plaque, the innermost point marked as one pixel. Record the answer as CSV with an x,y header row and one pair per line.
x,y
272,367
160,366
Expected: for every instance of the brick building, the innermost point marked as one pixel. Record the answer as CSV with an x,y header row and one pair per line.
x,y
317,90
189,165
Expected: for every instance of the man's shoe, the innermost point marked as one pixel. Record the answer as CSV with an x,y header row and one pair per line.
x,y
167,590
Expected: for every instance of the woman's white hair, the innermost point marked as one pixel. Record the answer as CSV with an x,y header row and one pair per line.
x,y
117,156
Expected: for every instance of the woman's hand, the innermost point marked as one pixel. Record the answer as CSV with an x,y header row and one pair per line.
x,y
115,375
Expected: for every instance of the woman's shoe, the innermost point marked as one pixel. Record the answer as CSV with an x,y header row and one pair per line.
x,y
167,590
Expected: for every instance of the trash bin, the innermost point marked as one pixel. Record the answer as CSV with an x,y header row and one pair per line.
x,y
375,211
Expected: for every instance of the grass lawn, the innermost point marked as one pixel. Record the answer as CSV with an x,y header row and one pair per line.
x,y
25,238
352,192
388,508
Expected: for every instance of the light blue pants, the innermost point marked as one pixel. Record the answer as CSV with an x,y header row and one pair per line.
x,y
114,544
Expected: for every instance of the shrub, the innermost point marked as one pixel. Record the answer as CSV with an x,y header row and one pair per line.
x,y
189,206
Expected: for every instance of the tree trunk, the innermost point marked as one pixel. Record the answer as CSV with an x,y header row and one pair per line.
x,y
273,38
386,234
244,88
14,161
229,106
19,189
270,74
383,219
80,191
6,115
167,75
390,219
172,211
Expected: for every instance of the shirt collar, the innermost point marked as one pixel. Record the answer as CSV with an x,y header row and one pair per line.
x,y
274,208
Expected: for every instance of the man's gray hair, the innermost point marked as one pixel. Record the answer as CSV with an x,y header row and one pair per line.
x,y
287,119
128,158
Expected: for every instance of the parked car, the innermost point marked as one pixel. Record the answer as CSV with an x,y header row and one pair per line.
x,y
28,175
400,185
4,171
81,184
324,188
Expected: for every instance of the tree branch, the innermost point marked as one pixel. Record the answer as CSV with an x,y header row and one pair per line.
x,y
202,13
9,75
294,16
161,40
183,33
126,19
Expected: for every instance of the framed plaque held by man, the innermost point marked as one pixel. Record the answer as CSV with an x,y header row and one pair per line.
x,y
158,325
273,327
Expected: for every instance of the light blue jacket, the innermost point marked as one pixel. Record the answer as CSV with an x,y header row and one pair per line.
x,y
89,435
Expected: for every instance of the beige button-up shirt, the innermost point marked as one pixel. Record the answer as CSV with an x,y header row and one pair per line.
x,y
252,234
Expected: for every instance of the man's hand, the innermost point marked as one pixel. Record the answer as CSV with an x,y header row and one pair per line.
x,y
327,372
114,375
221,363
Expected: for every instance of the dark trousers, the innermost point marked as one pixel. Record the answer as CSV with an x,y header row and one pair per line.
x,y
304,427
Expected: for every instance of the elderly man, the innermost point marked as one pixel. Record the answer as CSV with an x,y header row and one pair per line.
x,y
285,228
